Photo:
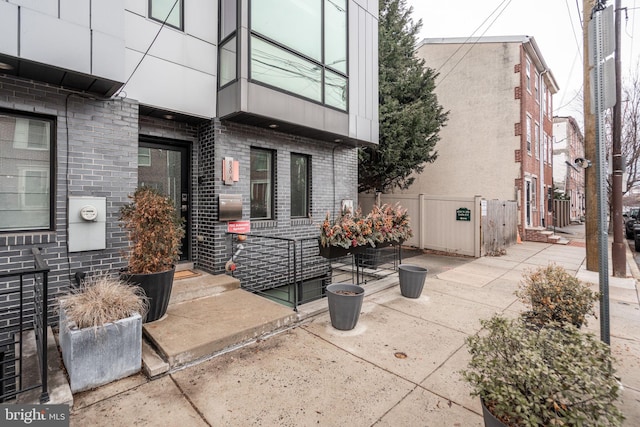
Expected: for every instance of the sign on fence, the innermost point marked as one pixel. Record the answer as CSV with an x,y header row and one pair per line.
x,y
463,214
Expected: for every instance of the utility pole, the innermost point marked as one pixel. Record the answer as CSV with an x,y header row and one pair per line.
x,y
590,184
618,249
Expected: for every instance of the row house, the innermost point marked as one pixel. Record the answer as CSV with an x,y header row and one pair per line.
x,y
568,145
498,140
263,102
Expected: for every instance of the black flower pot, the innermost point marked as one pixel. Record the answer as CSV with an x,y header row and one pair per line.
x,y
157,287
332,252
490,420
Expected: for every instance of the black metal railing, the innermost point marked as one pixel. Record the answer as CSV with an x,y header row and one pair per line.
x,y
24,296
292,272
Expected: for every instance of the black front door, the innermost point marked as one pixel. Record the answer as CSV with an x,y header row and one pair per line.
x,y
164,165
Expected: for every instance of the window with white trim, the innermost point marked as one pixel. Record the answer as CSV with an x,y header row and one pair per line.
x,y
528,130
527,71
536,135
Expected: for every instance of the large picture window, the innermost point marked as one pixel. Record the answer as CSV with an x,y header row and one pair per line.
x,y
301,47
26,180
261,183
300,186
171,10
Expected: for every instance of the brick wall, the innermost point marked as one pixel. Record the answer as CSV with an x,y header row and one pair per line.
x,y
333,178
95,155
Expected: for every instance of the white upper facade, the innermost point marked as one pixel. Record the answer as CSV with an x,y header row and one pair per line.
x,y
120,47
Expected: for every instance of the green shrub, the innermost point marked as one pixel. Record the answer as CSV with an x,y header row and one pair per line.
x,y
554,295
542,376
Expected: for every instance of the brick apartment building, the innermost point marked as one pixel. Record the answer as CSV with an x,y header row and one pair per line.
x,y
498,140
568,145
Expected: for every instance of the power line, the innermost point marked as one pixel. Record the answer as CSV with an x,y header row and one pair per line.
x,y
476,40
469,38
149,48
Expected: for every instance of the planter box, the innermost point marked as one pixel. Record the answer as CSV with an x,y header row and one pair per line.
x,y
332,252
94,357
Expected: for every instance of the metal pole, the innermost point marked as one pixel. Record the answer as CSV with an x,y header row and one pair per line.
x,y
618,248
601,175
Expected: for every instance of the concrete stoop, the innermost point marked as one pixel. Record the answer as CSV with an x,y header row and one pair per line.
x,y
202,327
545,236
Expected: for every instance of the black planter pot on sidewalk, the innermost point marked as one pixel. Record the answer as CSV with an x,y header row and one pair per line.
x,y
412,279
345,303
157,287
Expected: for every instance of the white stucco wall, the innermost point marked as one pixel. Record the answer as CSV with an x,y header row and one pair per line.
x,y
476,153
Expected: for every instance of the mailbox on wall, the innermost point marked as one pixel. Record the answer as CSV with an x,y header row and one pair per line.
x,y
229,207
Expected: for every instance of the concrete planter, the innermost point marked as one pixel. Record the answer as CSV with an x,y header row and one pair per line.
x,y
94,357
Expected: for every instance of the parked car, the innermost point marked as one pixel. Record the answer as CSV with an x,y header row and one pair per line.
x,y
636,235
629,221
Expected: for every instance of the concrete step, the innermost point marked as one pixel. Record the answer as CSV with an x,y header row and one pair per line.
x,y
562,241
202,327
201,285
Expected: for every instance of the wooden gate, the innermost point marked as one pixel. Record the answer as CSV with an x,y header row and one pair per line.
x,y
499,226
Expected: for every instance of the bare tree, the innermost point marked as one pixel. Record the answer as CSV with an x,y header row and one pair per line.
x,y
630,135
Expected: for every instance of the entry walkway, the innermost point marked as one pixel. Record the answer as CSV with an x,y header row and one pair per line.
x,y
399,366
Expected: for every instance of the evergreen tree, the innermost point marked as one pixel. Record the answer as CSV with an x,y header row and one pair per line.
x,y
410,116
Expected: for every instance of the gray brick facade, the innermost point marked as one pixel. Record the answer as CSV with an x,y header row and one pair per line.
x,y
96,154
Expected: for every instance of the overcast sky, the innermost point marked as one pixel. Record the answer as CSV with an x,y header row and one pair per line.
x,y
555,25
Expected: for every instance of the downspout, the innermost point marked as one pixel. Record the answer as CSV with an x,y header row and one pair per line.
x,y
543,193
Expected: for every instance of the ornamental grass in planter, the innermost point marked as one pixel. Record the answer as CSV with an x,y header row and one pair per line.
x,y
101,331
554,295
542,376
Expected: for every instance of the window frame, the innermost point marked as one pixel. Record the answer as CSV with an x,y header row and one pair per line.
x,y
528,74
320,63
536,137
271,187
528,133
307,207
52,170
162,21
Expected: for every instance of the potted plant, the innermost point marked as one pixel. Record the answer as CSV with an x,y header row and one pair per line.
x,y
347,234
541,376
155,231
554,295
354,232
101,331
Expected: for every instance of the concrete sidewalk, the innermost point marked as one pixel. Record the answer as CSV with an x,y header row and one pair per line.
x,y
398,367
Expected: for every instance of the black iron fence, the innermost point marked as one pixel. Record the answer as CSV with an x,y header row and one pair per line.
x,y
24,296
292,272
